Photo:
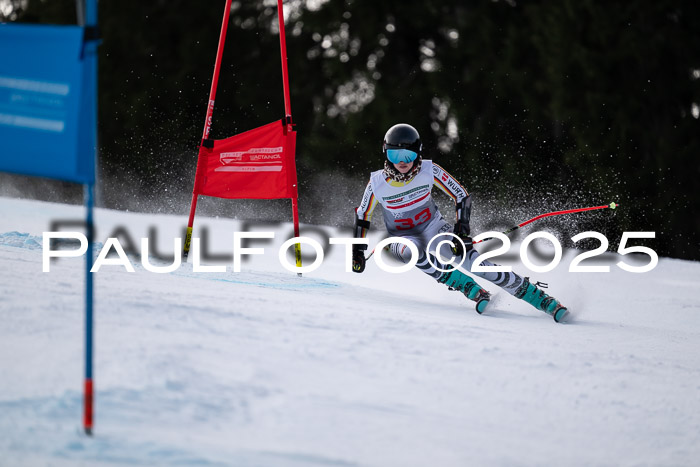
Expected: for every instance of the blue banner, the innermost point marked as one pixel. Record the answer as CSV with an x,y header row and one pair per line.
x,y
47,103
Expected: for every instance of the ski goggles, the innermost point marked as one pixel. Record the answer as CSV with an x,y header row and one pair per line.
x,y
400,155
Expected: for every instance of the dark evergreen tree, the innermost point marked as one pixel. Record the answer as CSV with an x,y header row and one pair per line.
x,y
536,104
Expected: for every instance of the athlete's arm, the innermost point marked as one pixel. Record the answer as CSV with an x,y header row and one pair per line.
x,y
363,213
463,201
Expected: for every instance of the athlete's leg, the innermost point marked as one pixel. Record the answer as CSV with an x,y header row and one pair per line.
x,y
401,252
519,287
509,281
442,268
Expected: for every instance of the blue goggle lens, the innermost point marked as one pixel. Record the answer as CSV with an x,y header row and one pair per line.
x,y
400,155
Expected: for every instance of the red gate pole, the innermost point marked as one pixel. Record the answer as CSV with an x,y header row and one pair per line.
x,y
208,120
288,120
285,74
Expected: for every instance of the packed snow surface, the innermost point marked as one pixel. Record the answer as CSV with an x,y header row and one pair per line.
x,y
264,368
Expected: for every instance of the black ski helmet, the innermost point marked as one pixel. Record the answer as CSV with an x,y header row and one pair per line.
x,y
402,136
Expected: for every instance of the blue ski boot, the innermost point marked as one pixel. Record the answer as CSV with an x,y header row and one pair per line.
x,y
540,300
457,280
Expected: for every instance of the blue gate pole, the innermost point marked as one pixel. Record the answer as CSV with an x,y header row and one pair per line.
x,y
90,87
88,389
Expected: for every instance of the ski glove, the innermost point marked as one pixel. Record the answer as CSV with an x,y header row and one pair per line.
x,y
463,233
358,258
358,251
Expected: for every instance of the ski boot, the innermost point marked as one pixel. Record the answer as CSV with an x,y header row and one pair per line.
x,y
457,280
540,300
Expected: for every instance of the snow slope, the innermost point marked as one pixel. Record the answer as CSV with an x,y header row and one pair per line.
x,y
263,368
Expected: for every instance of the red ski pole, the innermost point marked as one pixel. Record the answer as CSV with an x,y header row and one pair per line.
x,y
555,213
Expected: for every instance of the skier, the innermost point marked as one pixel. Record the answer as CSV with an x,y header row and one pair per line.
x,y
403,188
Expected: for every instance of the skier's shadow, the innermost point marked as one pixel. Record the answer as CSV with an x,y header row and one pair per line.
x,y
572,319
509,315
